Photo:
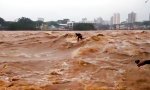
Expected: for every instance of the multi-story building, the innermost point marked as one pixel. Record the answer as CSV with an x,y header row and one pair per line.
x,y
99,20
131,17
115,19
84,20
41,19
64,21
111,20
149,17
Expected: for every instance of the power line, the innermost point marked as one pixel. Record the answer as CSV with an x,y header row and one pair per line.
x,y
146,1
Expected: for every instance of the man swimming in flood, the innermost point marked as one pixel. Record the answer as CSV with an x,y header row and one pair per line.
x,y
142,63
79,36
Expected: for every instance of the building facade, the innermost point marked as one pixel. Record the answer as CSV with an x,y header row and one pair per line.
x,y
41,19
115,19
84,20
99,20
131,17
149,17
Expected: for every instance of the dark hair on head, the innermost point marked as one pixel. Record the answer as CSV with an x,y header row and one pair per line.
x,y
137,61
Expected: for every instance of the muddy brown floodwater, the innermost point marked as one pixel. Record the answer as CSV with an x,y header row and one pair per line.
x,y
49,60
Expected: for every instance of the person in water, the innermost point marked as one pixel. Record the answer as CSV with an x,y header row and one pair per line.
x,y
79,36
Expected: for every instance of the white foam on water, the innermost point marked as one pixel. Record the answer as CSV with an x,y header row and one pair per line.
x,y
121,71
75,53
23,55
71,40
45,54
65,65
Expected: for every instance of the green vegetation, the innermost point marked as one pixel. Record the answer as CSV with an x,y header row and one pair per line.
x,y
83,26
54,23
2,21
23,23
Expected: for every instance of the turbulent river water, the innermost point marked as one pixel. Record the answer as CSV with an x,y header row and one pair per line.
x,y
49,60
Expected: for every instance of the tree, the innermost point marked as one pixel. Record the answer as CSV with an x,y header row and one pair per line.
x,y
2,21
146,23
83,26
24,20
54,23
137,23
12,26
22,24
25,24
38,24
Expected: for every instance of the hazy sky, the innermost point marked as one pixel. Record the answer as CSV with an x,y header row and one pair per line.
x,y
72,9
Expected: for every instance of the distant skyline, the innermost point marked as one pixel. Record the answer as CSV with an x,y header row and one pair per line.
x,y
75,10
